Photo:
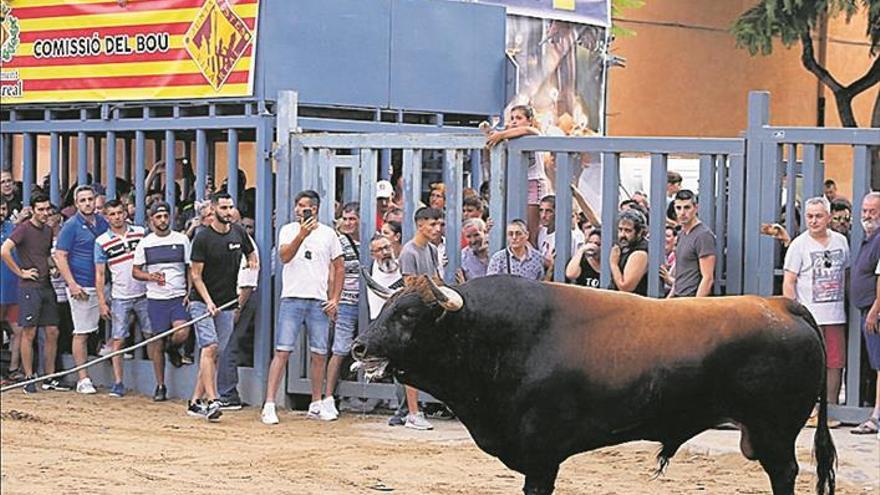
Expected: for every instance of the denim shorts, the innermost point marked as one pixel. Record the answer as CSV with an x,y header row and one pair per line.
x,y
293,314
345,328
212,330
122,308
164,312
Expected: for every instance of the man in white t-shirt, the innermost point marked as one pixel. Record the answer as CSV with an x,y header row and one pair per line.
x,y
815,276
312,258
161,260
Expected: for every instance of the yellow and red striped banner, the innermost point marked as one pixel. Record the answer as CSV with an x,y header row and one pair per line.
x,y
110,50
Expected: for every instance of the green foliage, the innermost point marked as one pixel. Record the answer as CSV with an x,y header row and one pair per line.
x,y
788,20
617,8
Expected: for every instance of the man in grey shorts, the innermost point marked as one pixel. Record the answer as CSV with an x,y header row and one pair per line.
x,y
115,249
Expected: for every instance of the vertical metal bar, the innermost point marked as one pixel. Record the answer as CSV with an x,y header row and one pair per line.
x,y
657,222
412,188
232,164
759,116
8,151
791,192
212,159
610,195
97,176
27,176
54,152
770,191
814,176
706,191
452,177
170,174
476,169
735,220
517,182
82,158
126,159
140,176
861,180
264,237
367,198
201,163
111,165
385,168
497,193
563,215
188,184
4,156
324,185
721,224
65,162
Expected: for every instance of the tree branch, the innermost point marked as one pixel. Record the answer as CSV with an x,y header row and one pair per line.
x,y
808,58
865,82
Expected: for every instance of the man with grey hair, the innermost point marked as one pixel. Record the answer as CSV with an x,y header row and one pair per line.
x,y
863,293
474,256
815,276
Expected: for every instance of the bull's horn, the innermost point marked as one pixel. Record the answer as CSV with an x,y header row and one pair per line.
x,y
377,288
449,299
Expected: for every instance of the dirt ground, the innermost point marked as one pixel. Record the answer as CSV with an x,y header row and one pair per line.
x,y
65,443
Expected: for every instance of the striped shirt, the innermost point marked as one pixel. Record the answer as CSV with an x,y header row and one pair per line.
x,y
117,252
168,255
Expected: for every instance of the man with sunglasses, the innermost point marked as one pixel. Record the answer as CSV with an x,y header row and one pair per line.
x,y
815,276
841,216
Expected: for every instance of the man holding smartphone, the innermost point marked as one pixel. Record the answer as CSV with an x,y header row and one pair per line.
x,y
312,280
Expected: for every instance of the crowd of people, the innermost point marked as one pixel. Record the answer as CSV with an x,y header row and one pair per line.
x,y
87,266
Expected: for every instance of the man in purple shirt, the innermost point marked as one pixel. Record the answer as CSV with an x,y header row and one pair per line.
x,y
862,292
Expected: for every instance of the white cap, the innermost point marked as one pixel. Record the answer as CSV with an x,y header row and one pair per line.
x,y
384,189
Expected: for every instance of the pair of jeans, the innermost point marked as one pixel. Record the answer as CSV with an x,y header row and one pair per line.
x,y
227,367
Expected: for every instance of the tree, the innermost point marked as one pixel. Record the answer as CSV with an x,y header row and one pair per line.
x,y
793,21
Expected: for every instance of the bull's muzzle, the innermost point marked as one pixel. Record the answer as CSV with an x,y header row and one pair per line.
x,y
358,351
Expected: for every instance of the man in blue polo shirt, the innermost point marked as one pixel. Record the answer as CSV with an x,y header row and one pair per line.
x,y
75,257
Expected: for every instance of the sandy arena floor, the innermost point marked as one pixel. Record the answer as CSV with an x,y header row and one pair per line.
x,y
69,444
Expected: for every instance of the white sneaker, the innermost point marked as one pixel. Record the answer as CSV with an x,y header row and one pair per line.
x,y
317,411
105,349
85,386
268,416
417,421
328,407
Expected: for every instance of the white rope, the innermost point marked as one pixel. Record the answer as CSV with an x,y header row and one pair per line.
x,y
114,353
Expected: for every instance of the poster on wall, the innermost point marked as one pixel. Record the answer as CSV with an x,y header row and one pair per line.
x,y
595,12
560,73
81,50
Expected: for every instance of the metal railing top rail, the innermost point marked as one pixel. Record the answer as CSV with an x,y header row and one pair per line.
x,y
824,135
647,145
390,141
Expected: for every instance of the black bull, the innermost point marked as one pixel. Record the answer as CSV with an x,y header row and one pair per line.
x,y
538,372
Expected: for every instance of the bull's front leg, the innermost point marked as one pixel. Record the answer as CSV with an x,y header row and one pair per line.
x,y
541,481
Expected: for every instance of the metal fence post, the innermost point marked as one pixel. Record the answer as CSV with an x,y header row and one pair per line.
x,y
170,173
54,152
82,159
657,224
111,165
563,215
201,163
232,164
140,175
610,195
759,116
27,176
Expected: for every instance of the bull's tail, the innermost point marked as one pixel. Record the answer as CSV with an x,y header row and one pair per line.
x,y
824,452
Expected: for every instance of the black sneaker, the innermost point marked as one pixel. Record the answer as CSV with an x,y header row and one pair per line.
x,y
233,404
187,359
173,352
196,409
30,388
55,384
212,411
161,394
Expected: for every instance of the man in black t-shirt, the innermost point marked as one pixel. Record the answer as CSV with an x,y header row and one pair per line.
x,y
215,262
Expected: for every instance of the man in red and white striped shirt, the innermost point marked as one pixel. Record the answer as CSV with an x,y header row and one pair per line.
x,y
114,249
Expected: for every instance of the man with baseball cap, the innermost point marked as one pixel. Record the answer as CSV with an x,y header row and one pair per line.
x,y
384,193
161,260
